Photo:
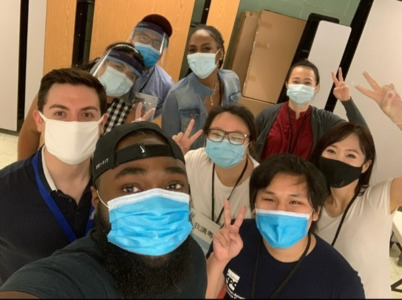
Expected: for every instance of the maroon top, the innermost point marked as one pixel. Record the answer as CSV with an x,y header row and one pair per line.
x,y
290,135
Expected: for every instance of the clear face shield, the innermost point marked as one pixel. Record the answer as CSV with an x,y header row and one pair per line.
x,y
117,71
150,43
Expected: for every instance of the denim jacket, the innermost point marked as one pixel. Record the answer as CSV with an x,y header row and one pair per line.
x,y
185,101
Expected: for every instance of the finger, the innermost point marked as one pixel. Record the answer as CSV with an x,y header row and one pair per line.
x,y
195,136
189,128
239,220
179,136
222,237
340,75
371,81
226,210
367,92
148,114
334,78
138,111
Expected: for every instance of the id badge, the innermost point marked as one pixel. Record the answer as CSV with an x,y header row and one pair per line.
x,y
203,229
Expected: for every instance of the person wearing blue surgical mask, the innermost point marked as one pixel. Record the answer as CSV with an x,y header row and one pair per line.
x,y
221,169
276,254
140,246
294,126
151,38
118,70
206,87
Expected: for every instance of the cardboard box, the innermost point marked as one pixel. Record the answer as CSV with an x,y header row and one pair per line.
x,y
255,106
276,40
243,44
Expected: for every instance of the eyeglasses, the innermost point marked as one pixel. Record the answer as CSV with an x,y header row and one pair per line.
x,y
234,137
145,39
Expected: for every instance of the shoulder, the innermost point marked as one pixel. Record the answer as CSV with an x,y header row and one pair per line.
x,y
327,255
226,74
269,110
196,155
19,170
73,272
162,74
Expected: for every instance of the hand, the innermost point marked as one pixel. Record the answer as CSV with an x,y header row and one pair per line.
x,y
386,97
184,140
341,89
227,242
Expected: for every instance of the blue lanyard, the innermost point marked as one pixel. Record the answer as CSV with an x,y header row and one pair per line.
x,y
55,209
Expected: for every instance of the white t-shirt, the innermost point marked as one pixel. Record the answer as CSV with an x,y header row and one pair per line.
x,y
364,238
199,172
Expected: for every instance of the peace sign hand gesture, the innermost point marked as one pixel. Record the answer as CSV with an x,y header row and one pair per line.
x,y
341,89
386,97
227,242
184,140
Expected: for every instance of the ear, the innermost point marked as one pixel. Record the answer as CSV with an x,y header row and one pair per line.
x,y
102,124
366,165
95,197
317,88
40,123
315,215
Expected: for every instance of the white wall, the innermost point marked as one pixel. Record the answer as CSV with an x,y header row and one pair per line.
x,y
35,49
326,53
9,55
379,52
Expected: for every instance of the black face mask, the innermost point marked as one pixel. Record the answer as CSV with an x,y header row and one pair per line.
x,y
338,173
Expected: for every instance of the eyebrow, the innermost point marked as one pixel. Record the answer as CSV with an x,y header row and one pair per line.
x,y
142,171
66,108
348,150
298,195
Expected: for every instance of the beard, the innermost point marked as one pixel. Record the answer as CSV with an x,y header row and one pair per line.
x,y
141,276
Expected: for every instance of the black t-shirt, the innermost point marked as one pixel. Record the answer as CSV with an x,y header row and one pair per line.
x,y
323,273
75,272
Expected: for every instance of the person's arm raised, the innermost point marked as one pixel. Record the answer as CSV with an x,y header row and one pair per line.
x,y
390,103
227,244
29,137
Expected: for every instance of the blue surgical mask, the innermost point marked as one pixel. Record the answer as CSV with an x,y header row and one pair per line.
x,y
149,54
154,222
225,154
300,94
281,229
116,83
202,64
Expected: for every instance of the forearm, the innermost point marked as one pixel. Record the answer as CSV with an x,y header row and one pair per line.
x,y
215,276
353,114
28,143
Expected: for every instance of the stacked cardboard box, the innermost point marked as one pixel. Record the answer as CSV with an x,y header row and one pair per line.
x,y
263,51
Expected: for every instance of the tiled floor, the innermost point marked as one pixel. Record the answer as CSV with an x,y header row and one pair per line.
x,y
8,154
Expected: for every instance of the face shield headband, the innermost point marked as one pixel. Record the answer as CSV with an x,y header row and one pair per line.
x,y
140,32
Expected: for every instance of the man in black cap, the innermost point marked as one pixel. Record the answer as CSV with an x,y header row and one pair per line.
x,y
151,38
141,245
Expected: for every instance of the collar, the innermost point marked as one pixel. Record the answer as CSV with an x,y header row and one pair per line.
x,y
49,178
198,87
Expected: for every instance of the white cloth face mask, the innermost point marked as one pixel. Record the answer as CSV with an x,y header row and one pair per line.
x,y
116,83
71,142
202,64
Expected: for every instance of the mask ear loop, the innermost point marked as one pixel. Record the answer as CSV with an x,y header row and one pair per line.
x,y
97,192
